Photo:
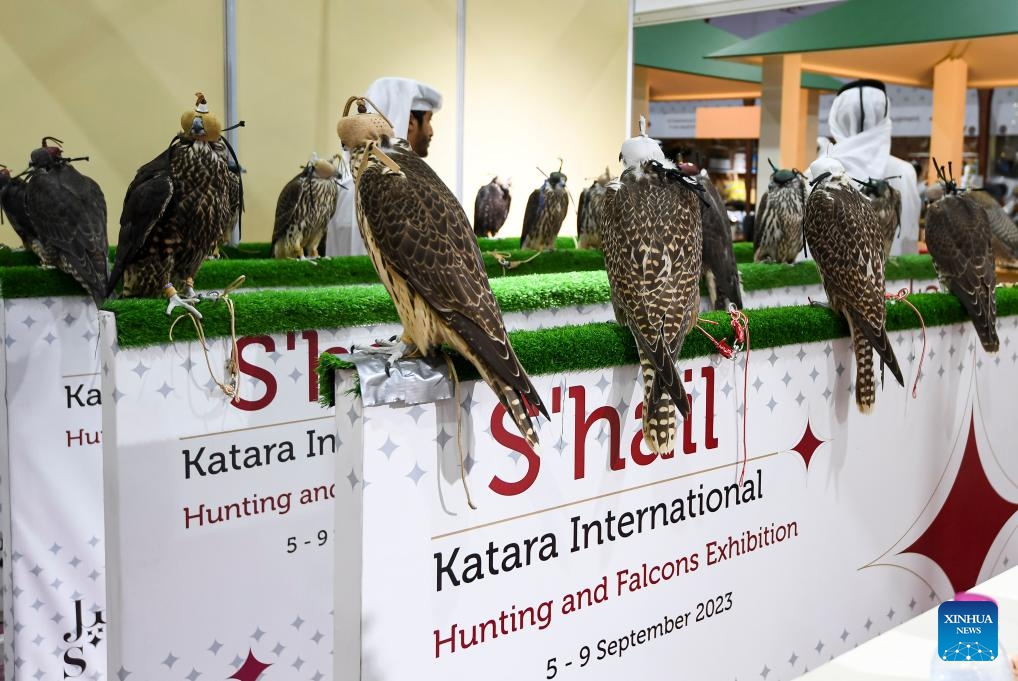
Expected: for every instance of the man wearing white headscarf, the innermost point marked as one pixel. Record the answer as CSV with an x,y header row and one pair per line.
x,y
409,106
860,122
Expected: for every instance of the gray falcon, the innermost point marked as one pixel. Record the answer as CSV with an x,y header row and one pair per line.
x,y
67,210
844,239
491,207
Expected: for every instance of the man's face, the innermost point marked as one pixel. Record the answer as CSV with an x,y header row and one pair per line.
x,y
419,134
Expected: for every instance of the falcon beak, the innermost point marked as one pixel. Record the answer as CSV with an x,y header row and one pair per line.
x,y
197,127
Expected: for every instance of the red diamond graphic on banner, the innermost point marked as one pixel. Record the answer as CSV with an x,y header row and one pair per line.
x,y
973,514
808,444
251,669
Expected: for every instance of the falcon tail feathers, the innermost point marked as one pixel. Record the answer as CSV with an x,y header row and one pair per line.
x,y
983,314
659,425
666,374
876,339
865,387
517,406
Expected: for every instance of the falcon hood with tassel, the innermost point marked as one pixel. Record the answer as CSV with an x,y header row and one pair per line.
x,y
176,210
425,252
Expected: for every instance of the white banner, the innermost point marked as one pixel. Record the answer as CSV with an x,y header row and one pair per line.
x,y
595,559
51,491
219,515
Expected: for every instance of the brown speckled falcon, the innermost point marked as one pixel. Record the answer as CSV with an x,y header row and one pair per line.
x,y
303,210
175,212
425,252
652,240
958,238
844,239
546,210
777,232
588,212
886,202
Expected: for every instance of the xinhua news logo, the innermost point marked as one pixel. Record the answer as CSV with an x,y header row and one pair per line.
x,y
967,631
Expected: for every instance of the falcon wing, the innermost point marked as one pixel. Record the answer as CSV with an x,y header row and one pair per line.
x,y
530,216
145,203
422,232
581,212
12,202
286,204
958,238
718,255
758,221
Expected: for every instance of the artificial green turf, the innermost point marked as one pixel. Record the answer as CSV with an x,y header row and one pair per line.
x,y
141,322
26,281
592,346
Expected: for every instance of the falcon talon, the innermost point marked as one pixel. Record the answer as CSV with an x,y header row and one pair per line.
x,y
176,301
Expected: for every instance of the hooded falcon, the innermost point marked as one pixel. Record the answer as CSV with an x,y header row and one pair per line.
x,y
719,269
652,240
844,239
958,239
1003,230
13,191
886,202
176,210
546,210
777,231
491,207
425,252
67,210
303,210
588,212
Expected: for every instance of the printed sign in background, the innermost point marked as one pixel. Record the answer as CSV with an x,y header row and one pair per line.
x,y
568,570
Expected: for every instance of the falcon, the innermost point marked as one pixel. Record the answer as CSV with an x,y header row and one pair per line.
x,y
958,239
719,269
588,212
176,210
652,242
1003,230
303,210
777,235
425,252
67,211
545,212
12,202
886,202
844,239
491,207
